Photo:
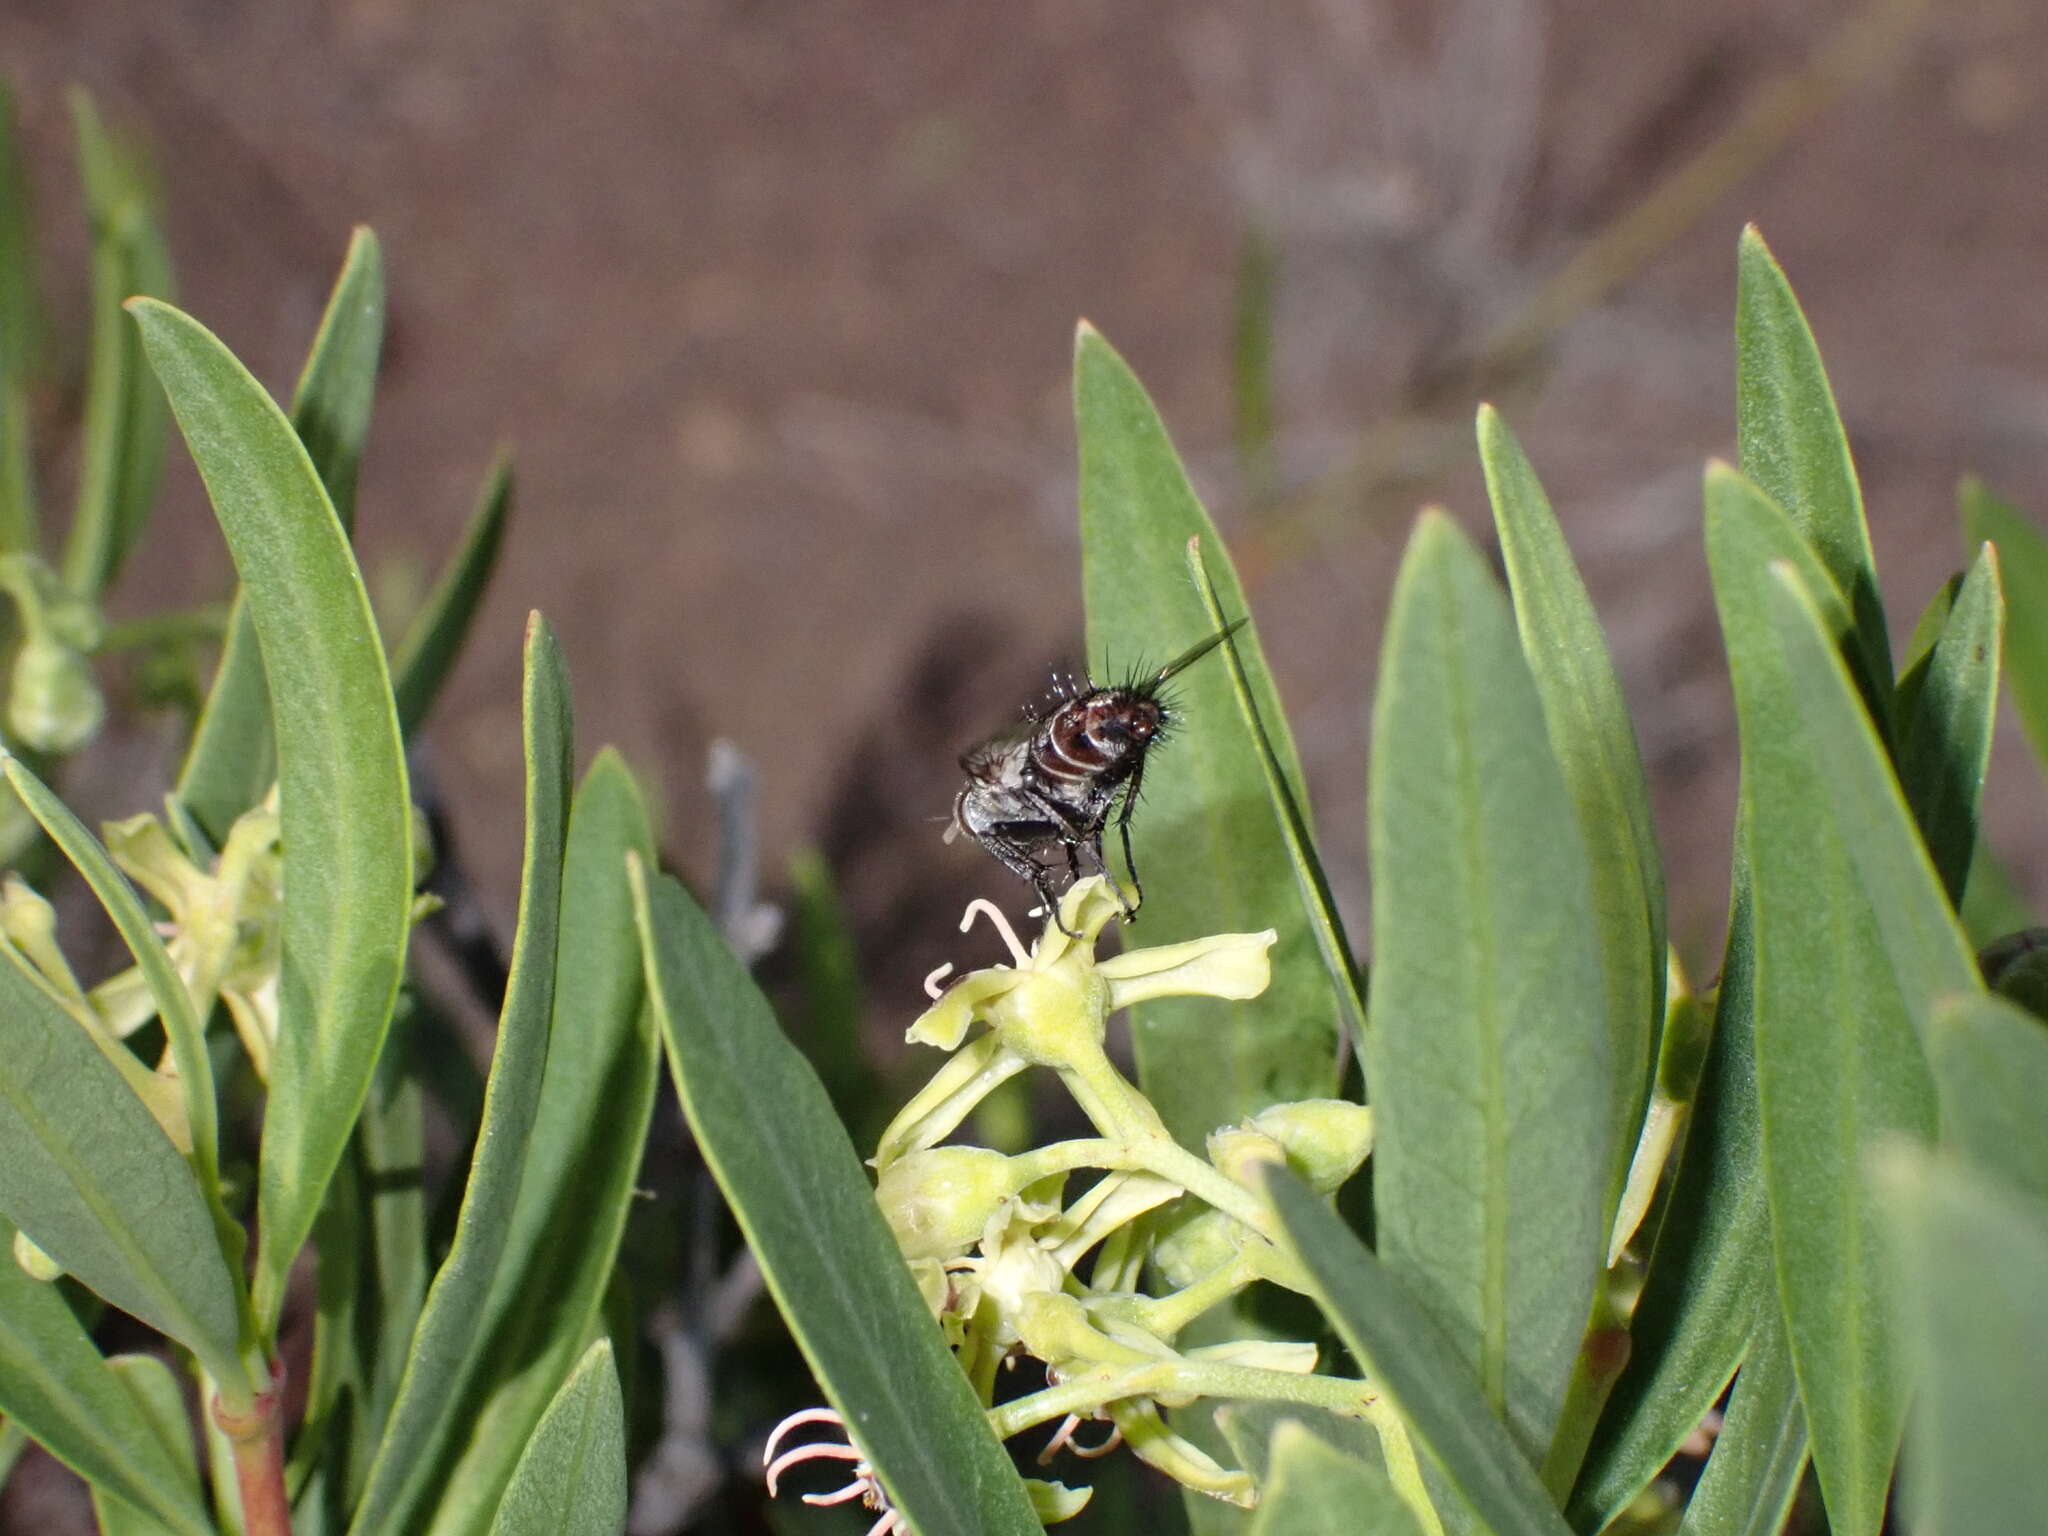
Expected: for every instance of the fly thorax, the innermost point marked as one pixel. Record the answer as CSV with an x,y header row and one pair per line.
x,y
1100,733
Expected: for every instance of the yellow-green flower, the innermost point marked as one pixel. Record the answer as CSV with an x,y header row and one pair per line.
x,y
1052,1009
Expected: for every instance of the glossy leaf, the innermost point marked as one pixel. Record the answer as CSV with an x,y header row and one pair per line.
x,y
434,639
343,799
1710,1271
1839,881
183,1028
1416,1365
1488,1060
582,1156
1945,719
1760,1454
1595,748
1208,847
1972,1254
122,447
149,1384
232,759
571,1478
55,1385
802,1199
420,1441
2023,569
1990,1060
21,338
88,1173
1794,448
1316,1490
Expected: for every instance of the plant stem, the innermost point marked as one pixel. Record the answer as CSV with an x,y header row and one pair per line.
x,y
257,1438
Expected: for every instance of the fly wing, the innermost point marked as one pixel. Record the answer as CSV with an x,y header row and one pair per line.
x,y
998,760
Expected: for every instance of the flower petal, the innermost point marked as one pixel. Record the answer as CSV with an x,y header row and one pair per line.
x,y
1229,965
946,1022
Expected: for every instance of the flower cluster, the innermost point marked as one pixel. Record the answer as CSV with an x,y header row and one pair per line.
x,y
1012,1266
220,928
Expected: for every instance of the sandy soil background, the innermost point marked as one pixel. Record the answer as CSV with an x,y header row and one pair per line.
x,y
774,303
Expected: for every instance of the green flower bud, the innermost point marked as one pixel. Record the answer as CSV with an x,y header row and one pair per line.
x,y
53,704
938,1201
1020,1275
1326,1140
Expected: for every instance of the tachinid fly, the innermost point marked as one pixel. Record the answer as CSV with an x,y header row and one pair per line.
x,y
1054,783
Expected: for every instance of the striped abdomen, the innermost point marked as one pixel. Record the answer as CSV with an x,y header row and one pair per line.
x,y
1089,745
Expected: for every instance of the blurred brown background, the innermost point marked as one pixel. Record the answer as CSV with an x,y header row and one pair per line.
x,y
774,302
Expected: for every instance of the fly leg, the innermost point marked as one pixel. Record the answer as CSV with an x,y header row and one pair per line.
x,y
1123,827
1011,842
1093,847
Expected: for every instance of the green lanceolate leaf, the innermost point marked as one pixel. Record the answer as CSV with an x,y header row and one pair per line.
x,y
347,821
2023,568
183,1028
1208,846
422,1437
1488,1059
371,1240
1250,1428
1972,1254
1945,720
1417,1366
1760,1453
1991,1063
571,1477
1710,1272
54,1385
1793,446
828,965
123,432
1928,955
1595,747
582,1154
1332,943
232,758
149,1384
797,1188
21,339
338,384
88,1173
1843,984
434,640
1318,1491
